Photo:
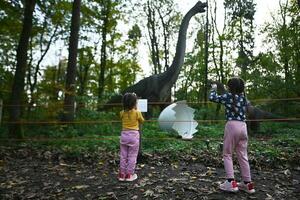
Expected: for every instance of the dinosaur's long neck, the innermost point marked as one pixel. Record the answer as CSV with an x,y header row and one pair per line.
x,y
174,70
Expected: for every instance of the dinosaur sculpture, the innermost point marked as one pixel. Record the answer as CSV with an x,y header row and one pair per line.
x,y
156,88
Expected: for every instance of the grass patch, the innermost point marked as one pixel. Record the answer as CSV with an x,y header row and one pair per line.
x,y
278,142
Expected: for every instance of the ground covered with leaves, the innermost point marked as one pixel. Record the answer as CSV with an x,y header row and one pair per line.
x,y
29,173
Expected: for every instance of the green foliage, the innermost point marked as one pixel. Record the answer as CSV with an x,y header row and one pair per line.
x,y
134,35
271,74
281,130
275,73
279,143
241,28
5,80
88,123
127,71
10,29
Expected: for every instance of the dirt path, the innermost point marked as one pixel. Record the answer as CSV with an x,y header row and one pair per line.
x,y
43,176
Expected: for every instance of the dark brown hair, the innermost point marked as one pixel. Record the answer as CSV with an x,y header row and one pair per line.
x,y
236,86
129,101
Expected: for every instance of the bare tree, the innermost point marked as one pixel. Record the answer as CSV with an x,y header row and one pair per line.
x,y
152,31
218,62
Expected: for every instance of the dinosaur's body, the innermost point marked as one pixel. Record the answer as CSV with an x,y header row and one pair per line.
x,y
156,88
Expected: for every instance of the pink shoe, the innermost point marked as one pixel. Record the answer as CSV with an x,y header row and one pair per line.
x,y
121,177
229,186
249,187
131,177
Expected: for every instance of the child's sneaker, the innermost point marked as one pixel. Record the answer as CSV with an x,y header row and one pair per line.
x,y
121,177
131,177
249,187
229,186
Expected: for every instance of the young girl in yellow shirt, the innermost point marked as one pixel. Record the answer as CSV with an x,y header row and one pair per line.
x,y
130,136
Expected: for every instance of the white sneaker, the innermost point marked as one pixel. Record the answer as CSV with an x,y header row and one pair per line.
x,y
121,177
229,186
249,187
131,177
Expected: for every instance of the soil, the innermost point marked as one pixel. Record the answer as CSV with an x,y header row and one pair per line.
x,y
37,174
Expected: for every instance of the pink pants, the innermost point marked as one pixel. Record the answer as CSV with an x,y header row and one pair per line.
x,y
235,137
129,148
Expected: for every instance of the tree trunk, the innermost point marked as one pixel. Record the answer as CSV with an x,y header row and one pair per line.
x,y
82,78
166,34
220,71
242,54
69,102
103,59
19,77
166,39
1,108
285,48
151,25
206,63
298,81
298,77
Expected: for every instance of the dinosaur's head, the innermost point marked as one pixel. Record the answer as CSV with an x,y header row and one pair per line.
x,y
200,6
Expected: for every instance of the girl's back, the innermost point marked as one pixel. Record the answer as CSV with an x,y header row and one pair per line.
x,y
131,119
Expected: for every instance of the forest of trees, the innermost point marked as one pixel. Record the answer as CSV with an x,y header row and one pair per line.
x,y
104,38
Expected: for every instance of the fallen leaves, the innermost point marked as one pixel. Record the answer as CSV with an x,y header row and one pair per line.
x,y
269,197
80,187
149,193
159,178
287,172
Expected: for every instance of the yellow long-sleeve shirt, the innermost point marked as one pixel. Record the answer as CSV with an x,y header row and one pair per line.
x,y
131,119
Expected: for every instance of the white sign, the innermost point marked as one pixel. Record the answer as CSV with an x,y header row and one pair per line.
x,y
142,105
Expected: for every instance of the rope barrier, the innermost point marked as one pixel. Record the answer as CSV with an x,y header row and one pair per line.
x,y
61,122
111,138
156,103
279,99
118,121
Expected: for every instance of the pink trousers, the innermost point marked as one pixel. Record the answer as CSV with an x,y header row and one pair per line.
x,y
236,138
129,148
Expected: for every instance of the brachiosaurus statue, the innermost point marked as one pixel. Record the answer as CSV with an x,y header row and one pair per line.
x,y
156,88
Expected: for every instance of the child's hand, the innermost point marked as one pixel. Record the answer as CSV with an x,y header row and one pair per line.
x,y
214,86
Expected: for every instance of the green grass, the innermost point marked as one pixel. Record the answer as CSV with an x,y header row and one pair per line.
x,y
275,142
